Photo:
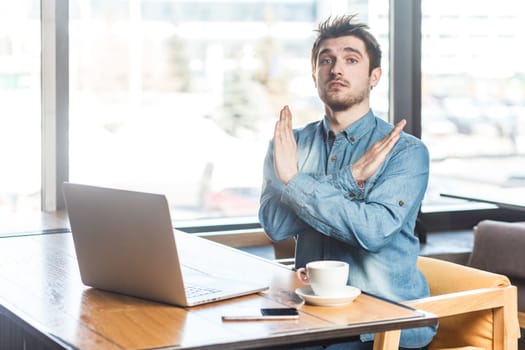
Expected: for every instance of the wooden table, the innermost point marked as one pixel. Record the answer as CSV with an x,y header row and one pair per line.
x,y
45,305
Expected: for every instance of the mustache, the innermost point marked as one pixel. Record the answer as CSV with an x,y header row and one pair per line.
x,y
338,81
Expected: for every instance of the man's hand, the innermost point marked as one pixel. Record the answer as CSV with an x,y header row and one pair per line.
x,y
368,164
285,147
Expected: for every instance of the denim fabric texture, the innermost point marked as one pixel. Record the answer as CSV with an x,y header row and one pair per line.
x,y
331,217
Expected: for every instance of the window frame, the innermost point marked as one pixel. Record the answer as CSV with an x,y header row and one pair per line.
x,y
55,101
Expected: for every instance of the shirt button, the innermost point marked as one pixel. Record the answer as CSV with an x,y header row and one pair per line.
x,y
334,158
401,203
352,139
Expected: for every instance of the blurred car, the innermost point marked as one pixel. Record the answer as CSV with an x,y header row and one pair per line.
x,y
233,201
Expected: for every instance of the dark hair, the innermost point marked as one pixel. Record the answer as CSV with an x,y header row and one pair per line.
x,y
343,26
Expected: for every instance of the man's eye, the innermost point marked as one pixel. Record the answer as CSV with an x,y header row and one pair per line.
x,y
325,61
351,60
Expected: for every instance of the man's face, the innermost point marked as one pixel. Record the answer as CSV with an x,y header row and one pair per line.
x,y
342,74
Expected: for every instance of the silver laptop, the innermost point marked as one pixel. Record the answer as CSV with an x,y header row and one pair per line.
x,y
125,243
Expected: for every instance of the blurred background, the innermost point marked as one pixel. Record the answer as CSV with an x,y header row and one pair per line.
x,y
180,97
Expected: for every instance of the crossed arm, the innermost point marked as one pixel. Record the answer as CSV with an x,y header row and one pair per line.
x,y
289,208
285,151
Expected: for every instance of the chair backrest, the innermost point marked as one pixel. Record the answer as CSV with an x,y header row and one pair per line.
x,y
498,247
475,308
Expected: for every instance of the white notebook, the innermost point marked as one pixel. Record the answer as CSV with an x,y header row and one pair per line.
x,y
125,243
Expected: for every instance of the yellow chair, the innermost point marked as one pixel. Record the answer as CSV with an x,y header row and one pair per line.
x,y
476,309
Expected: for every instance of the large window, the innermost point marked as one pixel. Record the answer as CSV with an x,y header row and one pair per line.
x,y
473,88
180,97
19,110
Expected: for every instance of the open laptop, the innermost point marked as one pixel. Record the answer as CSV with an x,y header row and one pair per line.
x,y
125,243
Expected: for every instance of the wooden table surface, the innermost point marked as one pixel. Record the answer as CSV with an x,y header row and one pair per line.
x,y
41,292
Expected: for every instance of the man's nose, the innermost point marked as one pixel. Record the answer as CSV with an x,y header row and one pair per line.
x,y
336,69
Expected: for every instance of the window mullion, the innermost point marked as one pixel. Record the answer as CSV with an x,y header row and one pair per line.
x,y
405,63
55,101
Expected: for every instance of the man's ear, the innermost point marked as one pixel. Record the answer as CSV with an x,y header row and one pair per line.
x,y
315,80
375,75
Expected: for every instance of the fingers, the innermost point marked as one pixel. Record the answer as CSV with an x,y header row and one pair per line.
x,y
288,115
388,142
285,148
396,131
285,115
399,126
370,161
280,126
283,127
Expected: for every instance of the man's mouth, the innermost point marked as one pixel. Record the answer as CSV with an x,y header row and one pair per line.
x,y
334,84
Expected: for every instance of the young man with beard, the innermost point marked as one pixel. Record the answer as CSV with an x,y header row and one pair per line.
x,y
349,187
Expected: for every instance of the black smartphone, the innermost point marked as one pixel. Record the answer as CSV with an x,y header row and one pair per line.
x,y
254,314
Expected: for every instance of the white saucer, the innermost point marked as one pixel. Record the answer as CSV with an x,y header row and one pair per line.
x,y
348,295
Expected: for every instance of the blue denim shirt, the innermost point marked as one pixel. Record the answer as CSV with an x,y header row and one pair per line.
x,y
371,228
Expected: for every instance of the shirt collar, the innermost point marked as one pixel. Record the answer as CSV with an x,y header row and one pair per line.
x,y
354,131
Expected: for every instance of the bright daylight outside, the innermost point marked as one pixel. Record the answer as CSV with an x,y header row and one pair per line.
x,y
473,96
19,108
180,97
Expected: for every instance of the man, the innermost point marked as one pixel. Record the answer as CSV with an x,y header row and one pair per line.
x,y
349,187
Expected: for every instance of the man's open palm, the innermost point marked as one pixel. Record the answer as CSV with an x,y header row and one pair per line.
x,y
369,162
285,147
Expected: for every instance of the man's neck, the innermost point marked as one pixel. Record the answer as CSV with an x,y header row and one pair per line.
x,y
341,120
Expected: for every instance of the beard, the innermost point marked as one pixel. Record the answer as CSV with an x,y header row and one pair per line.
x,y
339,101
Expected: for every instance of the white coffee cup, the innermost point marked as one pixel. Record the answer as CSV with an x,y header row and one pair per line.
x,y
327,278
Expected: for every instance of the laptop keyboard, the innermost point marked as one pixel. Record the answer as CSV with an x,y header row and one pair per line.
x,y
195,291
